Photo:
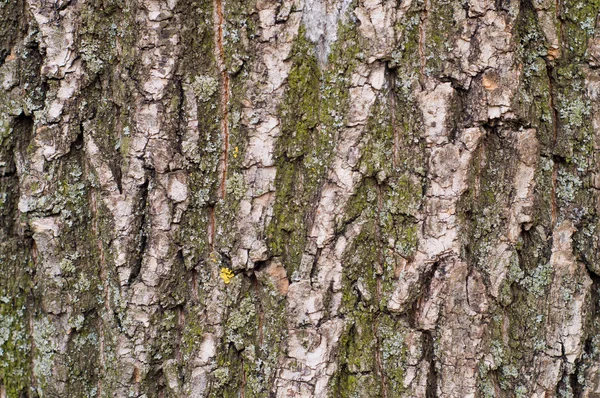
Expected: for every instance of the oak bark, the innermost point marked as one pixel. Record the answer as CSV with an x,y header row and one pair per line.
x,y
299,198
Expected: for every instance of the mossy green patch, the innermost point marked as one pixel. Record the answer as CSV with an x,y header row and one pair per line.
x,y
254,333
15,302
312,114
442,30
578,21
385,205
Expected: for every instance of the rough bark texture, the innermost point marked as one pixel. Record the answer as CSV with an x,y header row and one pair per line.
x,y
299,198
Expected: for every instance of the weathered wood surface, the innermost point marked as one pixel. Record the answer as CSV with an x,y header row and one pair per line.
x,y
304,198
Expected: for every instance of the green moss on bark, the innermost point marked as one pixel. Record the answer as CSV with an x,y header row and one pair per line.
x,y
313,112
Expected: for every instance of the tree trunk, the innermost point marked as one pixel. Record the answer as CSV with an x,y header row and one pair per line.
x,y
299,198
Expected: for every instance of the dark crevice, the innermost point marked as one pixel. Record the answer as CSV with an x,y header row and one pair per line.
x,y
429,356
475,46
117,319
459,111
179,256
77,143
315,269
575,387
595,288
551,73
137,265
469,273
156,377
426,279
260,265
23,130
181,117
553,202
143,209
3,54
580,365
225,259
502,5
117,162
392,75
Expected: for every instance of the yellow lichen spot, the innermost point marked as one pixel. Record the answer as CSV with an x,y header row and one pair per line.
x,y
226,274
235,152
